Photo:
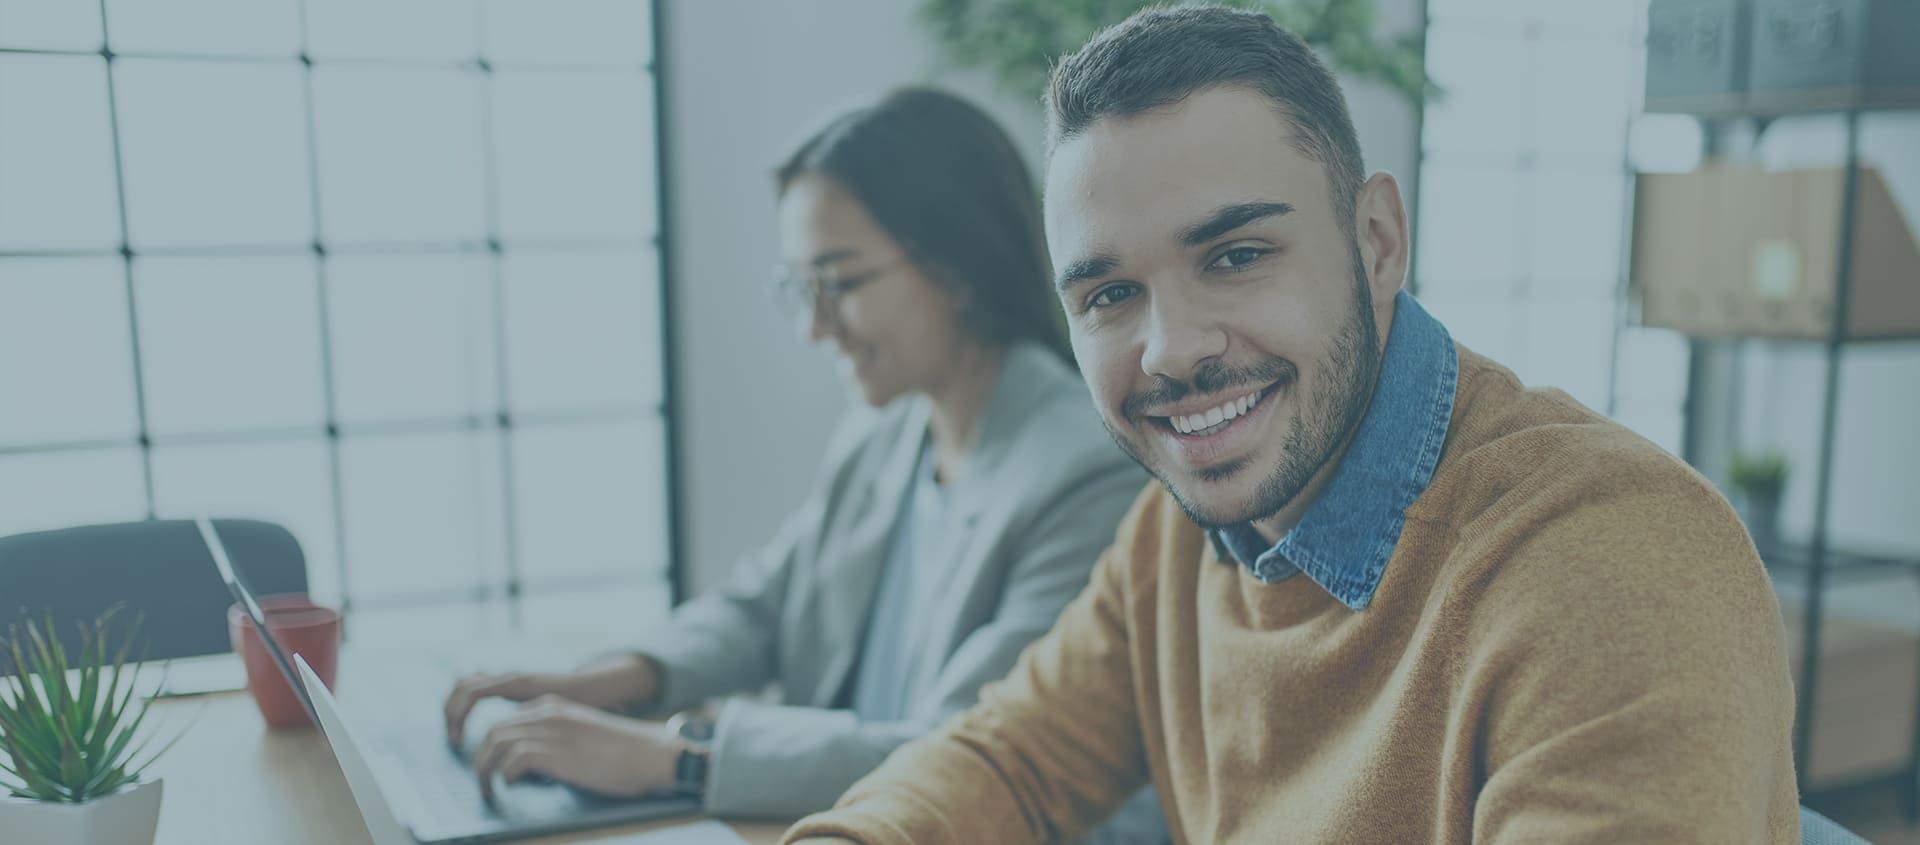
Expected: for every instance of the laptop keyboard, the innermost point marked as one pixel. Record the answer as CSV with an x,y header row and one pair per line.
x,y
449,793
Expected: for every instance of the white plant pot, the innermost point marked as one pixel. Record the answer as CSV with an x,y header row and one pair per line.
x,y
127,817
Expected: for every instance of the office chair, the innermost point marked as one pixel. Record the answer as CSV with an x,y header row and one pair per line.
x,y
160,569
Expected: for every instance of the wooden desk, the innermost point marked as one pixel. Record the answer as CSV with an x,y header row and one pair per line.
x,y
232,782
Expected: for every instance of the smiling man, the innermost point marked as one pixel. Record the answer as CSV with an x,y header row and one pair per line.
x,y
1383,591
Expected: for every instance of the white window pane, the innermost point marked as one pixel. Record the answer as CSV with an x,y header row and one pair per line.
x,y
596,619
1610,20
1877,470
574,155
1653,367
1470,224
1665,143
423,513
1486,326
215,153
571,32
1488,78
438,636
226,27
1659,422
548,630
1567,342
413,337
1483,11
50,24
288,483
1585,96
1578,218
56,154
1810,141
417,30
229,344
66,351
399,155
47,490
591,500
583,330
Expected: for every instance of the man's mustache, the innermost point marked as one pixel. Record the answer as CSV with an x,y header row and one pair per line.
x,y
1211,377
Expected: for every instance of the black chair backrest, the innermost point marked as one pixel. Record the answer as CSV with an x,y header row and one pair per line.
x,y
159,568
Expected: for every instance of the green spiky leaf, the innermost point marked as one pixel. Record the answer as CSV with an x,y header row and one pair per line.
x,y
72,722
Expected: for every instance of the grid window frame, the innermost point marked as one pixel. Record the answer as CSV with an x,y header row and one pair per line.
x,y
501,423
1534,279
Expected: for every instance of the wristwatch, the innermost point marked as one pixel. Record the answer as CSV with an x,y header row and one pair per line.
x,y
696,737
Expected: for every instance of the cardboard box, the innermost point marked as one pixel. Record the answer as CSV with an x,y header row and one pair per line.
x,y
1729,251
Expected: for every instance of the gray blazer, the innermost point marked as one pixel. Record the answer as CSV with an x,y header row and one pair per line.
x,y
1038,500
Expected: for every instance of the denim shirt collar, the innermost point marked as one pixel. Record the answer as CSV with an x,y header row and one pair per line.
x,y
1346,536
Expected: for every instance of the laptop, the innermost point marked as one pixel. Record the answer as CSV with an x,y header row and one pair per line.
x,y
412,787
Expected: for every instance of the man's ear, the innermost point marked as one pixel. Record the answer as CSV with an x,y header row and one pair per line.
x,y
1380,228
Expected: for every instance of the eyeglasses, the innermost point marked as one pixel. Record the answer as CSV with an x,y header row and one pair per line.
x,y
803,292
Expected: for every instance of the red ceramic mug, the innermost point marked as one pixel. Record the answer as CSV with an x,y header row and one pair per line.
x,y
301,627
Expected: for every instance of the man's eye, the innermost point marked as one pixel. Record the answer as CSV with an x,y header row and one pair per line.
x,y
1111,295
1238,257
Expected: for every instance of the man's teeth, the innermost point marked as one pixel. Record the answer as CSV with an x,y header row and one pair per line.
x,y
1214,416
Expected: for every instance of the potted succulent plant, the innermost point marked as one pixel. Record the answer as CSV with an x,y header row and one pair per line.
x,y
1761,479
72,752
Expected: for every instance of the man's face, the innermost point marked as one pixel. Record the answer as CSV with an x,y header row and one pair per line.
x,y
1221,313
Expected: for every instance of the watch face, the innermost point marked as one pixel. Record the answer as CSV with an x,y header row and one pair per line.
x,y
696,729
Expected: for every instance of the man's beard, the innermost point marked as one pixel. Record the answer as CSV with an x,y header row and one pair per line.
x,y
1320,424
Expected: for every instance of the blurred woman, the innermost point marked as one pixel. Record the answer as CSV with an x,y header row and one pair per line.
x,y
953,519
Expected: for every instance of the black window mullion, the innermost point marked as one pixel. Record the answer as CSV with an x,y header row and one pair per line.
x,y
144,436
328,386
497,291
669,390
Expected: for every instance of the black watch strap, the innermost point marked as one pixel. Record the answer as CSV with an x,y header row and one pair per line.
x,y
690,771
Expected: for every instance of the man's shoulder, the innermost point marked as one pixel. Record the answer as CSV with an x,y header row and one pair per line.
x,y
1540,488
1517,454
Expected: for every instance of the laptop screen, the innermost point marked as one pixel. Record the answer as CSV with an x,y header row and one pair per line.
x,y
244,596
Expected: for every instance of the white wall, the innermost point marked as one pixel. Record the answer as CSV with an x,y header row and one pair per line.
x,y
745,82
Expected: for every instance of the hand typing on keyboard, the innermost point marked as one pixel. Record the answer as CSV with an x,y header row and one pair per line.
x,y
619,681
580,746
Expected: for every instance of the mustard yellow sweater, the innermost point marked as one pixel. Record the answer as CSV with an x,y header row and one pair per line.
x,y
1573,642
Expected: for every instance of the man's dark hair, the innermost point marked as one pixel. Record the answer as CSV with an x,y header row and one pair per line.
x,y
1163,55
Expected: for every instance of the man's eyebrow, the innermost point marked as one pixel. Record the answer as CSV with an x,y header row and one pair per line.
x,y
1085,270
1230,217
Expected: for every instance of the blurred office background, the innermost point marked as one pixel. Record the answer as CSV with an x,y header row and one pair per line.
x,y
470,294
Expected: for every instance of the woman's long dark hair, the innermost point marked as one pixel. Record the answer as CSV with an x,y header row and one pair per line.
x,y
945,182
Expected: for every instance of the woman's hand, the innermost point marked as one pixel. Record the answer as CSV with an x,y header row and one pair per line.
x,y
621,681
581,746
